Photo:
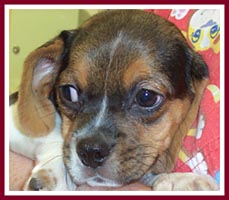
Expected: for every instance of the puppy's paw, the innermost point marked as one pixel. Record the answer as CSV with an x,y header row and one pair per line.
x,y
42,180
184,182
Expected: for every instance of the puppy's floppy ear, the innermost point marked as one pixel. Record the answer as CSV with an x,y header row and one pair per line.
x,y
197,77
196,68
36,113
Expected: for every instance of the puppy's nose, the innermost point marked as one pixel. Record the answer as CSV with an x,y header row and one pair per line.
x,y
93,151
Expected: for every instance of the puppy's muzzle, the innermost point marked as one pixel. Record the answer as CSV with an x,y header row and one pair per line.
x,y
94,150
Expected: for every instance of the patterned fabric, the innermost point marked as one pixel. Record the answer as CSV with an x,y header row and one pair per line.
x,y
200,152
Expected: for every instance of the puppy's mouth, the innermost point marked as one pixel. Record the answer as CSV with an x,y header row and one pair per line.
x,y
100,181
94,178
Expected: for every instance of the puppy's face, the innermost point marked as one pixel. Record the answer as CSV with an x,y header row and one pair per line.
x,y
127,87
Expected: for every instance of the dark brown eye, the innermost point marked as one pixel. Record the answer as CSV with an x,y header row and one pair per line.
x,y
69,93
148,98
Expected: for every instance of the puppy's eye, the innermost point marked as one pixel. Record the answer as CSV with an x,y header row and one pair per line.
x,y
69,93
148,98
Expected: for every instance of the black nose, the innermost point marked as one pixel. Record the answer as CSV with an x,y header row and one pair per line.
x,y
93,151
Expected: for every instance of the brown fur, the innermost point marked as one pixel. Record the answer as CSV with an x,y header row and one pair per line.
x,y
36,112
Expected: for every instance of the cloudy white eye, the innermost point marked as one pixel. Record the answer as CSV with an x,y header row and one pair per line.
x,y
69,93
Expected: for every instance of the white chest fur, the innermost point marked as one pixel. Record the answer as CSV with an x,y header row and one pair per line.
x,y
28,146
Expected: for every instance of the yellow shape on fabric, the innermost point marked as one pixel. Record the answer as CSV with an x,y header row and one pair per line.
x,y
192,132
183,156
215,92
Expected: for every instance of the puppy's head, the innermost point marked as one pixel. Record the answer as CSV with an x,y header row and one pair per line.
x,y
127,87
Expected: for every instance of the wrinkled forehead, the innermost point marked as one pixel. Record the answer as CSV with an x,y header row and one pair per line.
x,y
112,66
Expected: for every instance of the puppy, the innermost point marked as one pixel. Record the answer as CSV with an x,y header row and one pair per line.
x,y
109,104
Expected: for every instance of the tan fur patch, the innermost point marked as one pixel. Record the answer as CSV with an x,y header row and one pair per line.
x,y
154,79
36,112
66,124
135,71
80,73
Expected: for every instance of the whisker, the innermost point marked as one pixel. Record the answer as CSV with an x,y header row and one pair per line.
x,y
43,117
52,159
55,142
